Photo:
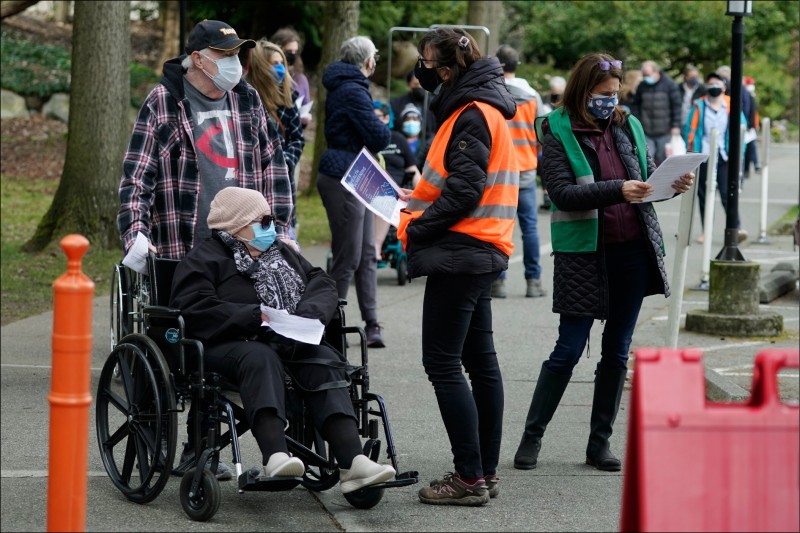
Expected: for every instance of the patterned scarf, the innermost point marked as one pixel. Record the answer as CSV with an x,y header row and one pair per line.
x,y
277,284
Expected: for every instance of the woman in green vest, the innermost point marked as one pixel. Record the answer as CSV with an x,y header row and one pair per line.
x,y
607,244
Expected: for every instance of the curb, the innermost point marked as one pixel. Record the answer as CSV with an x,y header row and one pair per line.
x,y
721,389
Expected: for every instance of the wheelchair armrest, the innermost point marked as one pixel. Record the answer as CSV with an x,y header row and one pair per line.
x,y
161,311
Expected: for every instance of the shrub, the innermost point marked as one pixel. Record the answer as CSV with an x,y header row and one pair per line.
x,y
33,69
29,68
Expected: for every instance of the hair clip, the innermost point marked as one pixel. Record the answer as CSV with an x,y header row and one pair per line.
x,y
463,42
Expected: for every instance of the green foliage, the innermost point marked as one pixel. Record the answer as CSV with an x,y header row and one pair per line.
x,y
378,17
312,220
33,69
143,79
553,35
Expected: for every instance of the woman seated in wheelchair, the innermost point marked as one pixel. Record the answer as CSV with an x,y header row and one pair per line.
x,y
219,287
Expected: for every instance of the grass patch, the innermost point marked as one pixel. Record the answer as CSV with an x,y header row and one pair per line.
x,y
312,221
785,226
27,279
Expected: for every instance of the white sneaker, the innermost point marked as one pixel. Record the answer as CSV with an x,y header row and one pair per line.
x,y
280,464
363,472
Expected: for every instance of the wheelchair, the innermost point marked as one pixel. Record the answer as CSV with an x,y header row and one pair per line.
x,y
153,370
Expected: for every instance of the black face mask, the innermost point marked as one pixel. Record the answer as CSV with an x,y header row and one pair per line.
x,y
418,94
714,91
555,98
290,59
428,78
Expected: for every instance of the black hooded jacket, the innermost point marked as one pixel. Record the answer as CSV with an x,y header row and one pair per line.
x,y
432,248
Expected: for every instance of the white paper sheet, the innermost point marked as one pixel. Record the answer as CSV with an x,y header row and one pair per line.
x,y
307,330
136,258
303,108
670,170
372,186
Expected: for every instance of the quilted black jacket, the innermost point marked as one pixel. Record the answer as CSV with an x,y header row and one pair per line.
x,y
580,284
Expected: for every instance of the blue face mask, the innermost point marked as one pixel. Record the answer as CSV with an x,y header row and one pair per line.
x,y
411,128
264,238
649,80
602,106
280,72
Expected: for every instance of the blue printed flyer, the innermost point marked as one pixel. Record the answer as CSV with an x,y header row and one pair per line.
x,y
373,187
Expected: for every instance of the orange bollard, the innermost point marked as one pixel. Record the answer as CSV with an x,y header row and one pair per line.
x,y
69,397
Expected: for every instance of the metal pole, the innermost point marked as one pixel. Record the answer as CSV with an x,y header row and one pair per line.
x,y
766,133
708,211
683,238
730,251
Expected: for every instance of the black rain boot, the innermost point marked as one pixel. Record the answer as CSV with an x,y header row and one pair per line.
x,y
549,389
608,385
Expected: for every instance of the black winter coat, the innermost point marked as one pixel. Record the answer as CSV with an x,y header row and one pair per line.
x,y
432,248
350,120
580,284
658,106
219,303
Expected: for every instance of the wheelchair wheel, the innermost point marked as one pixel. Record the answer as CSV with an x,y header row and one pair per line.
x,y
365,498
120,303
203,504
136,419
402,270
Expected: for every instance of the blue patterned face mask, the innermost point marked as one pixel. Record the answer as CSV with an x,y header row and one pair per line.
x,y
602,106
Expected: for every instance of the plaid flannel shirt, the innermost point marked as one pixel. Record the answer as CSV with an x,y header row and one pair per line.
x,y
160,185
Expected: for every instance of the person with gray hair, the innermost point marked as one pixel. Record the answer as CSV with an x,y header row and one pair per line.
x,y
350,125
657,104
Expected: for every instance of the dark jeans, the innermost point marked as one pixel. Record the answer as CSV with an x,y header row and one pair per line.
x,y
456,331
527,213
628,272
722,187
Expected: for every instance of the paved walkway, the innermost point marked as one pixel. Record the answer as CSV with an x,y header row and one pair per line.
x,y
562,494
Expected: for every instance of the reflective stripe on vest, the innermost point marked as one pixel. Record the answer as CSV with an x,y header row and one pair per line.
x,y
492,220
523,135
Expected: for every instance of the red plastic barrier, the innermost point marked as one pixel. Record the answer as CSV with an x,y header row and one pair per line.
x,y
695,465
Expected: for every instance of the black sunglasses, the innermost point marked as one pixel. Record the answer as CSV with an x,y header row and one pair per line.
x,y
606,65
266,221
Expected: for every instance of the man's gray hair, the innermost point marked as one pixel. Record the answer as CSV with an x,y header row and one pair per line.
x,y
558,82
187,62
356,50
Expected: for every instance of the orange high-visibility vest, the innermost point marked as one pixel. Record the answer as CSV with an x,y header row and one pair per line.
x,y
523,135
492,220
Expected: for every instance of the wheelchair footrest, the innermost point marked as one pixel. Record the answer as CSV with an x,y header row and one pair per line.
x,y
401,480
252,480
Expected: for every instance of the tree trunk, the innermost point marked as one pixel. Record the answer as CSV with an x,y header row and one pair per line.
x,y
171,47
12,7
341,23
485,13
61,12
86,200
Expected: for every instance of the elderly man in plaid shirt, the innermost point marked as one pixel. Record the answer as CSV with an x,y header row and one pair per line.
x,y
200,130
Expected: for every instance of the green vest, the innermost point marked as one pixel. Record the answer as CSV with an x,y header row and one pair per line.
x,y
576,231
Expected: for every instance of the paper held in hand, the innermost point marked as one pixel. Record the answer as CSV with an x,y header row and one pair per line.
x,y
374,188
670,170
307,330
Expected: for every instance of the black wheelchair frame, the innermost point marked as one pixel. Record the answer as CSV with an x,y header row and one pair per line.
x,y
153,370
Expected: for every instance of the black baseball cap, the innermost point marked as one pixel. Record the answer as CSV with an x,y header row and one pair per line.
x,y
216,35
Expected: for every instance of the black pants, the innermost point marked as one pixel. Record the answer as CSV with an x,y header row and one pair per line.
x,y
722,188
259,371
456,331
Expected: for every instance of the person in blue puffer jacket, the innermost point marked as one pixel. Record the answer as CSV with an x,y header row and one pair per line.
x,y
351,124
